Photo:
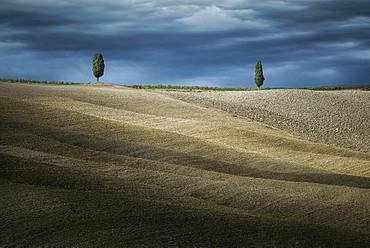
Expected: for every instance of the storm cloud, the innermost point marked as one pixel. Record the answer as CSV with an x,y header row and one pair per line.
x,y
300,42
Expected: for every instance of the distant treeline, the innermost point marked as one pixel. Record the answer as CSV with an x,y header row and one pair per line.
x,y
191,87
188,87
184,87
29,81
340,87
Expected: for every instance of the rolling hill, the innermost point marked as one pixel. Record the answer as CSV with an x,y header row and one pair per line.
x,y
85,166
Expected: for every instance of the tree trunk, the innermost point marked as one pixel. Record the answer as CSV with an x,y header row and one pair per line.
x,y
97,80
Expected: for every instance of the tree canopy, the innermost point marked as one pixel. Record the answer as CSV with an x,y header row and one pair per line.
x,y
259,78
98,66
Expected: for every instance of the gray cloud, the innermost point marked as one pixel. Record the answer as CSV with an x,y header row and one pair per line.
x,y
300,42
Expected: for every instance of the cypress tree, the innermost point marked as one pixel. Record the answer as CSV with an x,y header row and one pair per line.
x,y
98,66
259,78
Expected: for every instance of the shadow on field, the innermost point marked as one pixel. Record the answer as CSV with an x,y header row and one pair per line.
x,y
75,208
153,153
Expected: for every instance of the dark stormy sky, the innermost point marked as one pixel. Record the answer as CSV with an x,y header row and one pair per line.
x,y
214,42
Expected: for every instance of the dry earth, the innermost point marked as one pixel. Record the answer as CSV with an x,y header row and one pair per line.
x,y
115,167
332,117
